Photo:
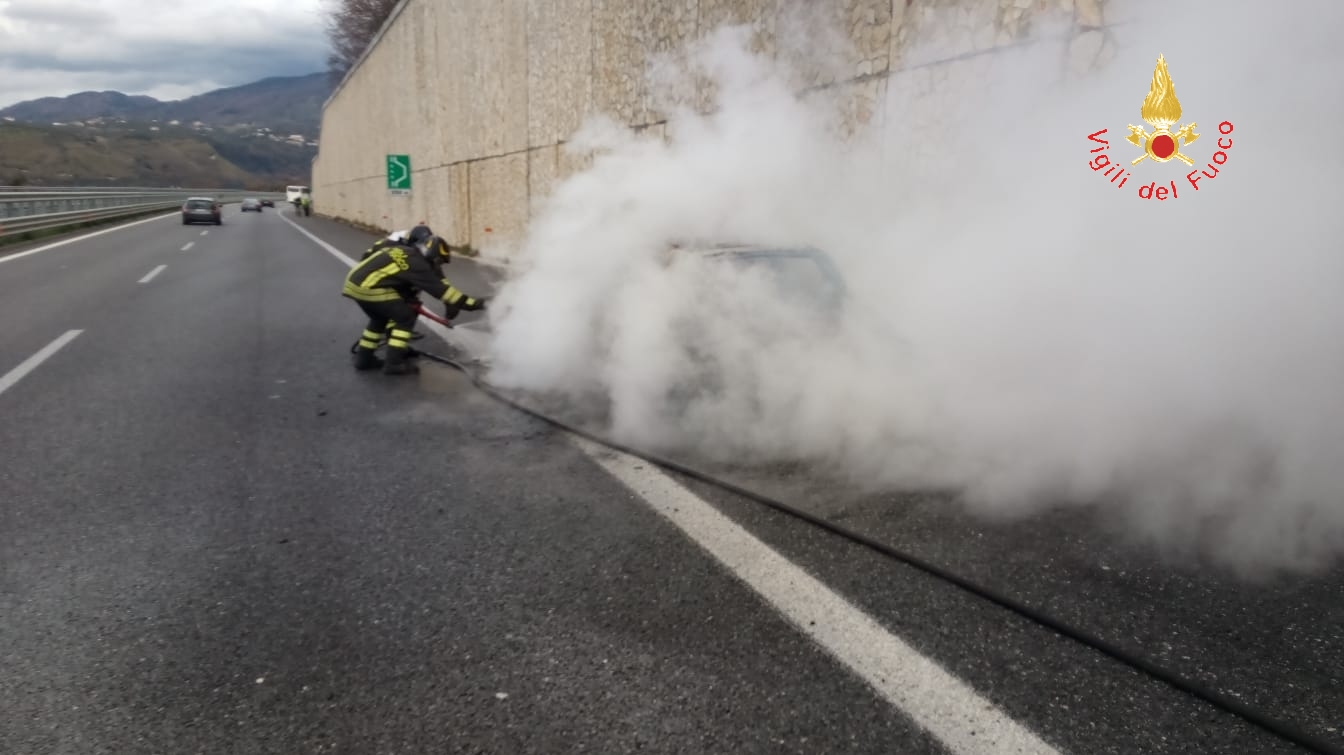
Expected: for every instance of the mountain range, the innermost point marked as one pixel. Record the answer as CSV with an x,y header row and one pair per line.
x,y
289,104
258,136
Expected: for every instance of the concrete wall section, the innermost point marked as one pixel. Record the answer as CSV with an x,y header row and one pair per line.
x,y
483,94
559,68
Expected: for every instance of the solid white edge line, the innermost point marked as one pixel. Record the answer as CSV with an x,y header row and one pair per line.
x,y
333,251
188,246
152,273
53,245
939,702
31,363
341,256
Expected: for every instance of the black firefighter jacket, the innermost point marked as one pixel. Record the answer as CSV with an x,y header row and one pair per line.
x,y
392,271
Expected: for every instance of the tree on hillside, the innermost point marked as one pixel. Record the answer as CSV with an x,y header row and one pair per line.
x,y
351,26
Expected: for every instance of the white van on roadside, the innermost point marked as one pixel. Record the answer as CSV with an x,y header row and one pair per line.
x,y
294,192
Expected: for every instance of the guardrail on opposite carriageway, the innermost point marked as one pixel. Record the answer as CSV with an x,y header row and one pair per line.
x,y
29,208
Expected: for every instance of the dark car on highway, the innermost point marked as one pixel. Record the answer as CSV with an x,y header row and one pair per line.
x,y
268,203
251,204
202,210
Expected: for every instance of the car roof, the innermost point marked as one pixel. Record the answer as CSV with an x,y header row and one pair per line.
x,y
762,251
746,251
203,199
734,249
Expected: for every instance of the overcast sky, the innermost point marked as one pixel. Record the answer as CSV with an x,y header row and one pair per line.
x,y
167,49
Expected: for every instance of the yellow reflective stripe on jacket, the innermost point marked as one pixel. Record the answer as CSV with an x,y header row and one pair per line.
x,y
359,293
376,276
452,295
362,283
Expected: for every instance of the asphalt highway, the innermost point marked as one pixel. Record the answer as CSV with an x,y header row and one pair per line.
x,y
217,537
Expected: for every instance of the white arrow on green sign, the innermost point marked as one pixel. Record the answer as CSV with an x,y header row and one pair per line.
x,y
399,173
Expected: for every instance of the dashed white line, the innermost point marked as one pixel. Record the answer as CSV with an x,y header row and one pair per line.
x,y
31,363
203,233
945,706
53,245
152,273
188,246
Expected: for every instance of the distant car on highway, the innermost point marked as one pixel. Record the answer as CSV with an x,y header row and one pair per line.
x,y
268,203
251,204
202,210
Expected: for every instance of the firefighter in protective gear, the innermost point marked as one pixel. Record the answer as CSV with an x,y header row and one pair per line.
x,y
412,297
385,284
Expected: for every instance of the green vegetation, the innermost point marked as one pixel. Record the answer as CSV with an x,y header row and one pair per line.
x,y
228,138
284,104
135,155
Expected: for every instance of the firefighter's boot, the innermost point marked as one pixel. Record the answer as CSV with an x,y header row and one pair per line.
x,y
365,359
399,363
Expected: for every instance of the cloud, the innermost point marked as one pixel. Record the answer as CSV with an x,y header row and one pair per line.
x,y
157,47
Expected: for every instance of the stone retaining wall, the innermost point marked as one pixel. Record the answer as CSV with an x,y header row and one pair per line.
x,y
482,93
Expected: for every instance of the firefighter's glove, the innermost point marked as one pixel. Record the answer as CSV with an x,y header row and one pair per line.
x,y
450,310
473,305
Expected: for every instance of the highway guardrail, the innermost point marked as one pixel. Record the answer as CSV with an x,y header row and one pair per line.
x,y
25,208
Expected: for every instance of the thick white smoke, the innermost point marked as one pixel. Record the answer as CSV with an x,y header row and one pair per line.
x,y
1019,329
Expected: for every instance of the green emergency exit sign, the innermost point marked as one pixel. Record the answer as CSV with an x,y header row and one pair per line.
x,y
399,174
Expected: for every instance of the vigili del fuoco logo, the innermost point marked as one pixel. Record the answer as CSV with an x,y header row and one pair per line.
x,y
1160,110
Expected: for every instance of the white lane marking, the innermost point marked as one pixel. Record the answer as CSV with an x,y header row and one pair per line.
x,y
18,255
338,254
945,706
204,233
188,246
152,273
31,363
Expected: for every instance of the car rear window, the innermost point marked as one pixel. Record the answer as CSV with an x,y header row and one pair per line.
x,y
200,204
795,277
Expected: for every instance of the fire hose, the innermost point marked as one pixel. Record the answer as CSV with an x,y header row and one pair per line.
x,y
1226,702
